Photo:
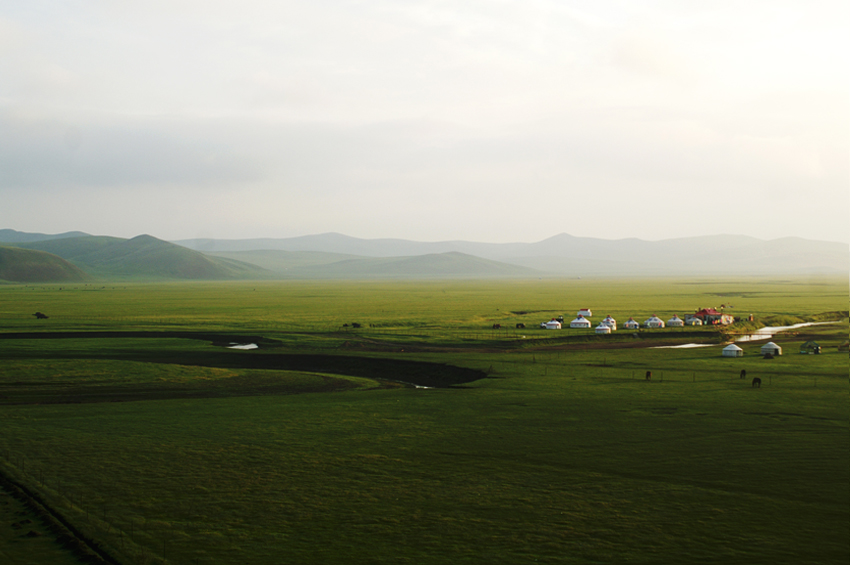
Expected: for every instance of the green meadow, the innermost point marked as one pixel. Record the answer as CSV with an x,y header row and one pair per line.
x,y
127,416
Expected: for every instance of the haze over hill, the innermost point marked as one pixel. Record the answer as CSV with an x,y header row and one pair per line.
x,y
564,254
322,265
338,256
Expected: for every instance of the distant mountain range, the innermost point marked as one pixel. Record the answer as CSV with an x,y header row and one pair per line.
x,y
566,255
336,256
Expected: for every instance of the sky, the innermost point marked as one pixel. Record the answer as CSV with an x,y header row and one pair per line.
x,y
496,120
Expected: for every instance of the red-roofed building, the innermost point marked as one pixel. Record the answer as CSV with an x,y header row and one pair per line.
x,y
712,316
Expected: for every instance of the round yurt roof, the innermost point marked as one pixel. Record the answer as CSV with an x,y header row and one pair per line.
x,y
732,347
581,320
770,345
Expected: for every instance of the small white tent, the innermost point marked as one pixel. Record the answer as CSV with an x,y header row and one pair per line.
x,y
631,324
675,322
693,321
585,312
580,322
553,325
654,322
771,348
610,322
603,329
733,350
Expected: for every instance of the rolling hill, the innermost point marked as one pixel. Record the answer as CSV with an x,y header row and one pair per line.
x,y
339,256
29,265
144,257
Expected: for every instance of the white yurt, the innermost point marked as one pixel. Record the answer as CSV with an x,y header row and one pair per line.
x,y
553,325
603,329
631,324
733,350
771,348
585,312
675,322
693,321
610,322
654,322
580,322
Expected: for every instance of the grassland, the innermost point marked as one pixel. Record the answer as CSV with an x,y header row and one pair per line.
x,y
561,452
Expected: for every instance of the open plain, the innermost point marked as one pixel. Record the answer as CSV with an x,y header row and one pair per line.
x,y
424,435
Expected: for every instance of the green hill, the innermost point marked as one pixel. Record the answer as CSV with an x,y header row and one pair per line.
x,y
71,248
29,265
145,257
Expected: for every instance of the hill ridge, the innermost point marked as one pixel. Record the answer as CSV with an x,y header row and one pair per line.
x,y
337,255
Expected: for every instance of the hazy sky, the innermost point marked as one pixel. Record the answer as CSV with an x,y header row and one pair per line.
x,y
494,120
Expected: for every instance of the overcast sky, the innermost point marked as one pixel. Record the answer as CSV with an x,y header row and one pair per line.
x,y
494,120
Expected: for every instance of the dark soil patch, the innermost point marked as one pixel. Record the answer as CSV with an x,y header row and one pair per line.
x,y
381,369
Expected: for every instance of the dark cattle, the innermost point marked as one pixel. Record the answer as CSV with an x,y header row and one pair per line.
x,y
345,325
497,326
649,375
520,326
355,325
743,373
40,316
757,382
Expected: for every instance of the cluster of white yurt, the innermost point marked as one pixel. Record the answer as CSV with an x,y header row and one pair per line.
x,y
580,322
732,350
654,322
675,322
631,324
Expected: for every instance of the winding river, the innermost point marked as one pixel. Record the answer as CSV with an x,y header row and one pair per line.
x,y
766,332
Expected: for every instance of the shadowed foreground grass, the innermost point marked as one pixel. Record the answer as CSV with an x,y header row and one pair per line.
x,y
560,455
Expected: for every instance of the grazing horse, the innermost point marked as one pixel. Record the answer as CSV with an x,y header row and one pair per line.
x,y
743,373
756,382
649,375
497,326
